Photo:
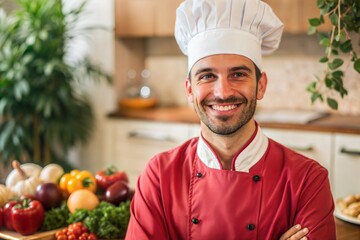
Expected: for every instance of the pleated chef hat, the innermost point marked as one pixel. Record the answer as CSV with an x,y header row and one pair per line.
x,y
244,27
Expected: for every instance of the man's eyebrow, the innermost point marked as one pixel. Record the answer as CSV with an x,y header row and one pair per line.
x,y
202,70
242,67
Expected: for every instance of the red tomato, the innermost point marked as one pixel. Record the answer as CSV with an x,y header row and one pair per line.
x,y
107,177
27,216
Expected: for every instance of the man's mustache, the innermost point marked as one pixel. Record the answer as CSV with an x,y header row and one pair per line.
x,y
231,99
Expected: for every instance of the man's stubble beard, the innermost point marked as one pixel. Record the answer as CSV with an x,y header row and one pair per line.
x,y
223,128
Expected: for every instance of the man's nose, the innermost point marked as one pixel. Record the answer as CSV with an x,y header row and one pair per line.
x,y
223,88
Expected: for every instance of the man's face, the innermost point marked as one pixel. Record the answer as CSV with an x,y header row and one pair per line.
x,y
224,90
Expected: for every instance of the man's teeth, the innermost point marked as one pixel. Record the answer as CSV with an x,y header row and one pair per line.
x,y
223,108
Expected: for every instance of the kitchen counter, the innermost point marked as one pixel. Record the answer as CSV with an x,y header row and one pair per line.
x,y
347,231
328,123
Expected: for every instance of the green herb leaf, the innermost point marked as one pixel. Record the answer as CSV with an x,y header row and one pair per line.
x,y
107,221
357,65
335,43
332,103
325,42
311,30
336,63
334,19
337,74
315,22
346,46
324,60
320,3
56,218
311,87
328,82
315,96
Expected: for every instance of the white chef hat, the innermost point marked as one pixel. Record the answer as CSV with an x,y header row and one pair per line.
x,y
208,27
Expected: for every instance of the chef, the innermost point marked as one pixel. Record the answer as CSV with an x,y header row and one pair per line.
x,y
231,182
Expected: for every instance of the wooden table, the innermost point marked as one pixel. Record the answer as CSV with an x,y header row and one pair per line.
x,y
347,231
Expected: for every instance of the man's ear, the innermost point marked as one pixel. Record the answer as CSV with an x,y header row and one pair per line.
x,y
189,90
262,83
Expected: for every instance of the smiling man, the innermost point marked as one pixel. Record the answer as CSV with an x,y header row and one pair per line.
x,y
231,182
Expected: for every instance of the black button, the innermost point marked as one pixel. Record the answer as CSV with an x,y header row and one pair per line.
x,y
256,178
199,174
251,226
195,221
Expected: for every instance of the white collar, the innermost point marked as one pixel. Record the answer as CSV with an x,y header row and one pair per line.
x,y
247,158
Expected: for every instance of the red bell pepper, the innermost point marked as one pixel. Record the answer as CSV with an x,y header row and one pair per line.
x,y
107,177
7,214
27,216
1,218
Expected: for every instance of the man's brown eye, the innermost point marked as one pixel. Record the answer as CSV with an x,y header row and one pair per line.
x,y
239,74
206,76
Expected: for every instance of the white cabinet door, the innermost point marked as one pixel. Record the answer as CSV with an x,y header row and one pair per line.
x,y
135,142
347,164
315,145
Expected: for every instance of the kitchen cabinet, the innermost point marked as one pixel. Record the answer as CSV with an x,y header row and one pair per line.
x,y
289,13
154,18
295,14
130,144
313,145
145,18
134,17
346,165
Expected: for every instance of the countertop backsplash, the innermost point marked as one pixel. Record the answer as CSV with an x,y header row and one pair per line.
x,y
288,77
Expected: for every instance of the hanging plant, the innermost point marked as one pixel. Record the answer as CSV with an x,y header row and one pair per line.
x,y
344,16
43,112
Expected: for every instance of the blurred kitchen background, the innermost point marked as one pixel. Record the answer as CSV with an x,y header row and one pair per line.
x,y
141,37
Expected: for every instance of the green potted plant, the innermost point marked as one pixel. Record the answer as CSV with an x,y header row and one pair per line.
x,y
344,19
43,112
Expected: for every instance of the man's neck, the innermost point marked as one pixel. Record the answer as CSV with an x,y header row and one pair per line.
x,y
227,146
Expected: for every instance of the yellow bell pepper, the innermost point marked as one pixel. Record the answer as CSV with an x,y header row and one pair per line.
x,y
75,180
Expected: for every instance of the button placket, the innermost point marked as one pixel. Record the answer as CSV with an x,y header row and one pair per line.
x,y
195,221
250,226
256,178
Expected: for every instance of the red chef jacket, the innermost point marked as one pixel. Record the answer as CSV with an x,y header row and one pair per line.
x,y
185,194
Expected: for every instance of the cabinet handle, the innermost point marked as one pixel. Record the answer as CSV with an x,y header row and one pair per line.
x,y
350,152
302,149
151,136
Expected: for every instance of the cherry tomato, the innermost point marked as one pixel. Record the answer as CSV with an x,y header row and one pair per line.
x,y
62,237
76,231
71,237
65,231
92,237
84,236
